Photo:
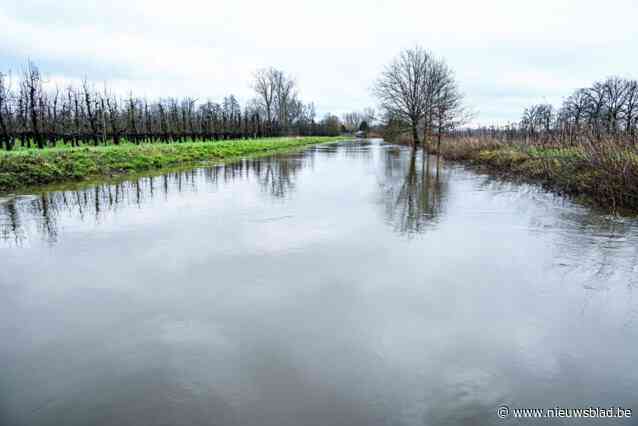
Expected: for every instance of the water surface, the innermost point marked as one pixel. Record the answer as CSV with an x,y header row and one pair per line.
x,y
348,284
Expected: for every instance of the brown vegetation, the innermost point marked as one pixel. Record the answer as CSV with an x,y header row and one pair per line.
x,y
605,168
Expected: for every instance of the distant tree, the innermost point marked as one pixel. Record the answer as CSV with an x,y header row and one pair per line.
x,y
265,85
90,103
286,97
5,113
330,125
631,108
277,93
537,120
32,89
369,115
351,121
615,91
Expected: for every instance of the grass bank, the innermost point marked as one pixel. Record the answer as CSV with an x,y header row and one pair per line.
x,y
603,171
28,168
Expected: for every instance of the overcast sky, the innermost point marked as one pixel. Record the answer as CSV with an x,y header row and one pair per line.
x,y
506,54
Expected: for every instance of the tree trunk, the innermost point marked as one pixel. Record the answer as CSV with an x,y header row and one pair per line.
x,y
415,135
6,139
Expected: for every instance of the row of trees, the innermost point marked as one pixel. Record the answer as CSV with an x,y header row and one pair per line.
x,y
419,93
35,113
607,109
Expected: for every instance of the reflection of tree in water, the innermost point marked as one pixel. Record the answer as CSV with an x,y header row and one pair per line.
x,y
414,193
276,175
23,216
10,226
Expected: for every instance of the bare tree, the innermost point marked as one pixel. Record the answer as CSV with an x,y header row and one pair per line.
x,y
615,90
420,90
402,88
90,103
631,107
595,106
32,87
369,116
113,114
352,120
5,113
285,96
265,85
573,111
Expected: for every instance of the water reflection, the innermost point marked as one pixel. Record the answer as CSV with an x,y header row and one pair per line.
x,y
414,193
275,176
295,290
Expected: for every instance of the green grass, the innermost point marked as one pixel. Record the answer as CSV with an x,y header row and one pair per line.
x,y
538,152
32,167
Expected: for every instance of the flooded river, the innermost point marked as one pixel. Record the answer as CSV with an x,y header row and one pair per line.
x,y
347,284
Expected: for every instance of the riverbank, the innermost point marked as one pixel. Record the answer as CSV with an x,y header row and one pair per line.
x,y
604,172
29,168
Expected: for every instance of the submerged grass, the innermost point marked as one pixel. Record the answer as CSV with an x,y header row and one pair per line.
x,y
28,168
604,170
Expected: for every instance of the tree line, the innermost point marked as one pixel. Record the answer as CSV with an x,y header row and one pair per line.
x,y
607,109
35,114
